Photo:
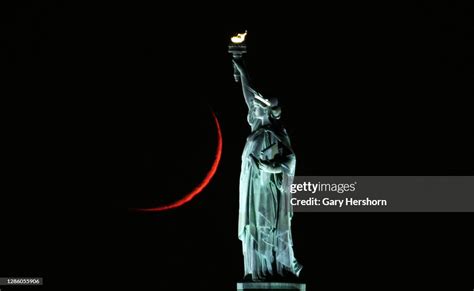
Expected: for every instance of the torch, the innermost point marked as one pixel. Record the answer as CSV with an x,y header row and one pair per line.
x,y
237,48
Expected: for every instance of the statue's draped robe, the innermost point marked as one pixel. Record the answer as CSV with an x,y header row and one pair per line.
x,y
265,211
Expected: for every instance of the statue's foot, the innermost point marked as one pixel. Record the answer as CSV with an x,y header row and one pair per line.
x,y
249,278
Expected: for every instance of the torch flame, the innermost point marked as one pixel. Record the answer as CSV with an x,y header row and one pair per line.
x,y
239,38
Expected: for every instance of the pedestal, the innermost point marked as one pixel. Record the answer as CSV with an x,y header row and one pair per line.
x,y
255,286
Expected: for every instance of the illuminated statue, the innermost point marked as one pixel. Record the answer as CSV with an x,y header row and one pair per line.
x,y
268,167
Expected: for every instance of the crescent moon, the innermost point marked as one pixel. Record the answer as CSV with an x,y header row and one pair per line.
x,y
204,182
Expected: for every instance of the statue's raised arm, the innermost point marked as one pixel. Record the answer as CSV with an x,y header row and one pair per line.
x,y
248,92
238,48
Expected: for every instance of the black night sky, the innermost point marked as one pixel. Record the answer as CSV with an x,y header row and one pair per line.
x,y
110,109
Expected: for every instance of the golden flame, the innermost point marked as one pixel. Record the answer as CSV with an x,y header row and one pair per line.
x,y
239,38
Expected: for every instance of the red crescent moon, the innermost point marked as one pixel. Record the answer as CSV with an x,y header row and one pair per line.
x,y
201,185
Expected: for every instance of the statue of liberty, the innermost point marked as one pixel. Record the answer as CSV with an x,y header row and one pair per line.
x,y
267,170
